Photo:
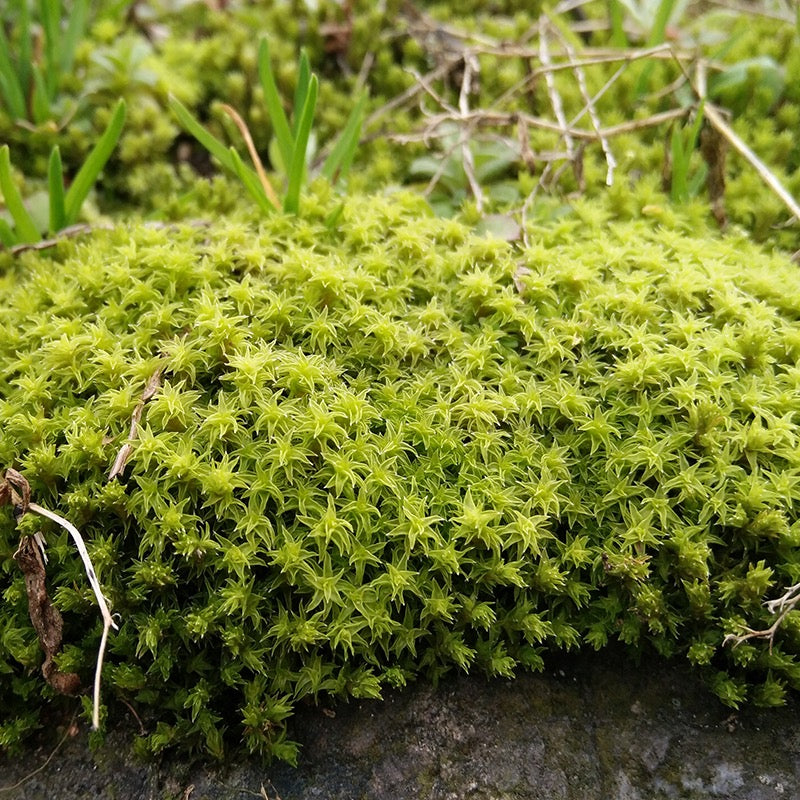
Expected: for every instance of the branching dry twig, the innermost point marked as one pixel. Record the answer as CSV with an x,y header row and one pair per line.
x,y
590,107
552,90
512,118
410,93
782,606
471,66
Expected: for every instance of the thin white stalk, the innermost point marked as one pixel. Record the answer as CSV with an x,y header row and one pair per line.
x,y
108,620
98,670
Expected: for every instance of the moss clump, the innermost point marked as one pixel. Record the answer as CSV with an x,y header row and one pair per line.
x,y
394,448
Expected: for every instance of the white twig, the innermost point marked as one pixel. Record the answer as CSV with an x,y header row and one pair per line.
x,y
108,621
498,118
552,89
784,604
98,671
470,65
603,89
589,105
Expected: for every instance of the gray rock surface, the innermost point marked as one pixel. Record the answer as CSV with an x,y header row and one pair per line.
x,y
597,726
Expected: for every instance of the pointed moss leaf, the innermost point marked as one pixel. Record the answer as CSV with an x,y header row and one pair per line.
x,y
337,164
277,116
95,161
208,140
26,230
297,165
55,180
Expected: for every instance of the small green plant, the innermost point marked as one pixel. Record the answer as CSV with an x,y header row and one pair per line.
x,y
683,142
291,154
448,180
752,83
35,57
64,205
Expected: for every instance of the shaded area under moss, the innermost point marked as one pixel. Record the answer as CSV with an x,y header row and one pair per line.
x,y
599,726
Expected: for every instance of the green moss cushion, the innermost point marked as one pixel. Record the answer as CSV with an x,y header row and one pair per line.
x,y
385,447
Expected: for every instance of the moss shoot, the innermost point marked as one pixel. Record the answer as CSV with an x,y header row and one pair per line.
x,y
391,448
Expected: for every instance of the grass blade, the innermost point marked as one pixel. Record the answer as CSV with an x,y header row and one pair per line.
x,y
12,92
55,179
616,18
251,184
25,45
683,144
26,230
694,133
76,28
40,102
297,164
208,140
50,16
301,90
657,35
277,116
659,30
93,165
7,238
680,167
337,164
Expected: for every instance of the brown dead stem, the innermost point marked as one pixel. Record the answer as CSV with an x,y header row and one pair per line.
x,y
254,156
153,385
46,618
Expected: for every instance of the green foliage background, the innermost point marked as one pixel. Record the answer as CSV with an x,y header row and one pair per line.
x,y
395,448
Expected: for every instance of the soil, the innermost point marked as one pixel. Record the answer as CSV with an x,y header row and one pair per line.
x,y
594,725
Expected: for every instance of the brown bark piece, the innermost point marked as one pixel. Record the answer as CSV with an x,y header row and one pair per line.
x,y
714,148
15,489
45,617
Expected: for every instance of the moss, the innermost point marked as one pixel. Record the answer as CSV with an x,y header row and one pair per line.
x,y
394,448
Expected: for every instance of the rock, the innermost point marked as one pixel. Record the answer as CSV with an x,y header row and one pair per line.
x,y
594,725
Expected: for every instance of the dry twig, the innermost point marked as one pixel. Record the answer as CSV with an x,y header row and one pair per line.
x,y
782,606
254,156
125,451
714,116
552,89
590,107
